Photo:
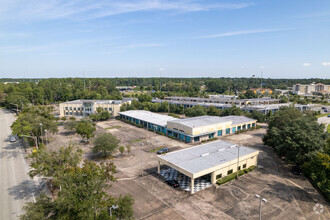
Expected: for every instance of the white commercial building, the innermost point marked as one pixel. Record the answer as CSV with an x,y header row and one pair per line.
x,y
218,159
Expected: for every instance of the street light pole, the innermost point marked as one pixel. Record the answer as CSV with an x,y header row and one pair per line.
x,y
260,201
237,161
46,136
113,207
141,158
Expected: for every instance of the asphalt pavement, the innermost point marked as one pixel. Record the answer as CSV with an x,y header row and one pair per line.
x,y
16,187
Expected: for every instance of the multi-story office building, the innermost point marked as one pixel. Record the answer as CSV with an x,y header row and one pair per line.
x,y
84,108
311,89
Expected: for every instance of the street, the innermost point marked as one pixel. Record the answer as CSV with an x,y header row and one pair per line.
x,y
16,187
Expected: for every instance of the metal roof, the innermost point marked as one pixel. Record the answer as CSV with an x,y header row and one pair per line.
x,y
236,120
95,101
209,120
206,156
149,117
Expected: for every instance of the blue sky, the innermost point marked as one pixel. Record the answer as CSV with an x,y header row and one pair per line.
x,y
148,38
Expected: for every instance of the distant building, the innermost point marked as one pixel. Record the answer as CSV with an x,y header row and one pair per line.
x,y
311,89
189,130
261,91
85,107
224,100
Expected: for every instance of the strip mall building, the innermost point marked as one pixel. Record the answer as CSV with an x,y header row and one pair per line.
x,y
190,129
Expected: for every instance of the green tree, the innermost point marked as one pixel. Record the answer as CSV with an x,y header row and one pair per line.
x,y
125,207
71,125
51,163
295,135
128,149
106,143
82,196
122,150
318,169
86,129
33,124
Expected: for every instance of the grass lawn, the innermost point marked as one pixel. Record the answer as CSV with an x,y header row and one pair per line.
x,y
113,127
137,140
328,128
156,149
322,115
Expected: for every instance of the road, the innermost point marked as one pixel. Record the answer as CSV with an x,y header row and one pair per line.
x,y
16,187
324,120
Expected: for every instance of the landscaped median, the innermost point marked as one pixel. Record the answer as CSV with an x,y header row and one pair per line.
x,y
232,176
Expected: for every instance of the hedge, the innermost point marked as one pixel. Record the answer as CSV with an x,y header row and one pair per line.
x,y
233,175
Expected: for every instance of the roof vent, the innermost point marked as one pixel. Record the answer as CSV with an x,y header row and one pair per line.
x,y
222,149
203,155
232,146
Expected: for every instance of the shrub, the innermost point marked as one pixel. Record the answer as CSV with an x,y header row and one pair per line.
x,y
246,170
252,168
241,172
63,118
226,179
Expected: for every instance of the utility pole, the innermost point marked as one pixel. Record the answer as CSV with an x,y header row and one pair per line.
x,y
237,160
141,158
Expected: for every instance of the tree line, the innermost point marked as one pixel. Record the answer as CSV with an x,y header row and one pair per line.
x,y
80,188
301,140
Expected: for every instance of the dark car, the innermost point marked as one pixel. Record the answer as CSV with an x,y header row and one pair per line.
x,y
296,170
173,183
163,150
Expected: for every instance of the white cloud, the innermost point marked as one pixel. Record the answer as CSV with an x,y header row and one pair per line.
x,y
236,33
326,63
306,64
87,9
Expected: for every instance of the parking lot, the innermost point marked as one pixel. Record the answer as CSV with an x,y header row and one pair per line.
x,y
289,196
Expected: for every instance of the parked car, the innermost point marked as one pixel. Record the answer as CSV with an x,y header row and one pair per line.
x,y
12,139
163,150
172,183
328,116
296,170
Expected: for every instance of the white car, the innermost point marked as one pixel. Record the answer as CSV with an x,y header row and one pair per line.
x,y
12,139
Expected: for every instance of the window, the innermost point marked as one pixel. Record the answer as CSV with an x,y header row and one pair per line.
x,y
110,109
78,108
219,176
249,125
230,171
228,131
239,128
211,135
220,133
239,168
196,139
105,109
74,108
70,113
66,108
244,166
253,124
244,126
66,113
234,130
70,108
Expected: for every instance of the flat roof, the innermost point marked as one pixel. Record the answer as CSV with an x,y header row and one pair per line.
x,y
209,120
149,117
238,119
206,156
81,101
